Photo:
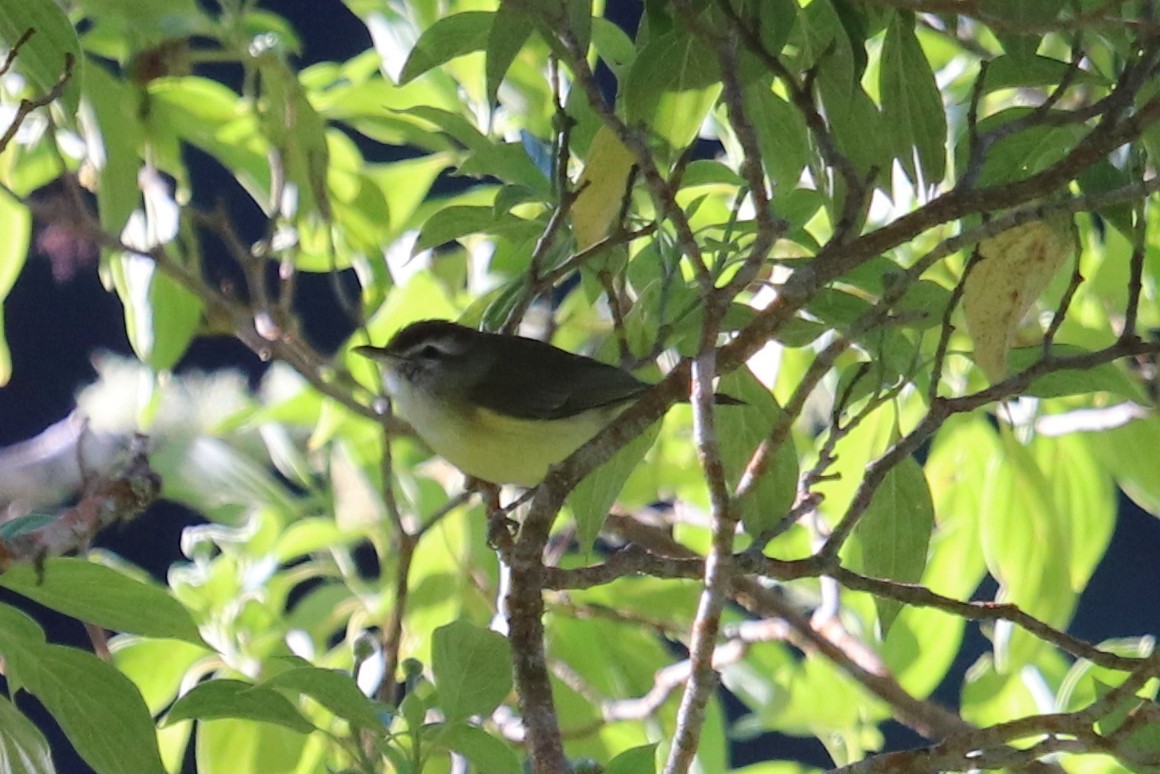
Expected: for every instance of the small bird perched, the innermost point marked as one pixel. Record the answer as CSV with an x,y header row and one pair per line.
x,y
500,408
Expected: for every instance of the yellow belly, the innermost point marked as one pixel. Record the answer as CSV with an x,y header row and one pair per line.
x,y
502,450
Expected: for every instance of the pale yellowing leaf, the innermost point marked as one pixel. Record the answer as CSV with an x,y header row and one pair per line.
x,y
602,187
1016,266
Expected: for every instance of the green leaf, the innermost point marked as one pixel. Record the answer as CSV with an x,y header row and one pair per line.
x,y
895,532
613,46
229,746
292,126
992,696
507,35
859,131
99,709
1102,177
912,107
671,86
225,698
1007,72
158,667
1023,153
740,429
1106,377
18,628
42,57
472,668
1028,548
781,134
638,760
116,106
15,230
596,492
447,38
1086,498
23,749
1025,14
451,223
333,689
487,754
1128,453
105,597
175,313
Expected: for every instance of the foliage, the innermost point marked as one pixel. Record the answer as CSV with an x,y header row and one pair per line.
x,y
914,237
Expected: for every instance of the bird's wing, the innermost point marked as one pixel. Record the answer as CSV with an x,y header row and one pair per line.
x,y
558,385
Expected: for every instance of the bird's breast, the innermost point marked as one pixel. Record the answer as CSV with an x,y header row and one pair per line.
x,y
490,446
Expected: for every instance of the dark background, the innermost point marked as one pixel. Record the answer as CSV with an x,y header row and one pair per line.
x,y
54,327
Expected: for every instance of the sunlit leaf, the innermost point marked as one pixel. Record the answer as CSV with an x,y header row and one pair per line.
x,y
100,595
335,690
1028,548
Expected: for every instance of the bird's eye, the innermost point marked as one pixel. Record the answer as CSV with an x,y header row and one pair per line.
x,y
430,352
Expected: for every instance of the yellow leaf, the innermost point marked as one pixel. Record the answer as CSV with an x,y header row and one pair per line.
x,y
1015,267
602,187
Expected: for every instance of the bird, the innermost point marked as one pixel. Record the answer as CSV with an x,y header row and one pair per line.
x,y
502,408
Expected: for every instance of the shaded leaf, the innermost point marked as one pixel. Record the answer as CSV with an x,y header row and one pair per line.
x,y
333,689
781,134
1106,377
591,499
486,753
99,709
740,429
638,760
472,668
226,698
1007,72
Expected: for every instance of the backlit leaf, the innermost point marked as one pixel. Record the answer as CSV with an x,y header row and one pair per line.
x,y
912,106
895,532
1015,267
449,37
602,187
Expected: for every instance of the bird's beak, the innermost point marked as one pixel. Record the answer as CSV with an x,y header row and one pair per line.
x,y
379,354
